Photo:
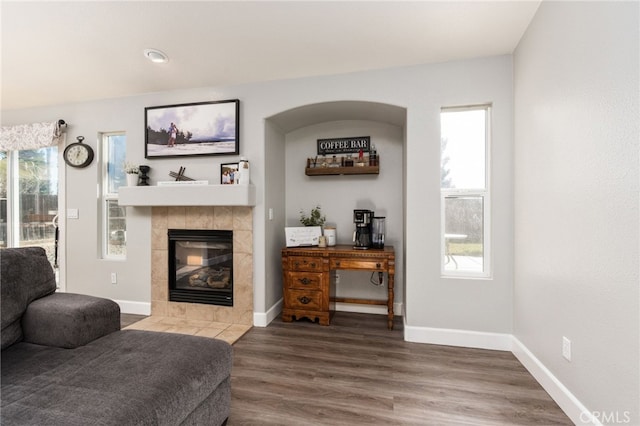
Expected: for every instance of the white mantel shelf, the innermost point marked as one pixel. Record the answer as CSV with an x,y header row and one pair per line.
x,y
187,195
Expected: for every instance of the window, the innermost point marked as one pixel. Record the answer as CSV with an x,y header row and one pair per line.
x,y
464,189
114,217
29,198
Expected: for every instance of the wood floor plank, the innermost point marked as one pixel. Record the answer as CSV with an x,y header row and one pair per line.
x,y
128,319
356,372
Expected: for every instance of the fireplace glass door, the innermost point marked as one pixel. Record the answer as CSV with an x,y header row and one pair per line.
x,y
201,266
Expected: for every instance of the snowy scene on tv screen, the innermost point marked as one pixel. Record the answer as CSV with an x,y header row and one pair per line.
x,y
202,129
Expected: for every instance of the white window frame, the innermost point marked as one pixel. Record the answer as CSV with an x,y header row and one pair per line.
x,y
106,196
13,191
485,194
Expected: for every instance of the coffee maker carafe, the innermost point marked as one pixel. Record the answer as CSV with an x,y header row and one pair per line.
x,y
377,232
362,234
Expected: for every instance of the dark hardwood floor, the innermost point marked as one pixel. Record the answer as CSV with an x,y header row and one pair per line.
x,y
356,372
128,319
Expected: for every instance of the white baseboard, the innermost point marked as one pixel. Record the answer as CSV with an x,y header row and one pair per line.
x,y
572,407
263,319
138,308
464,338
365,309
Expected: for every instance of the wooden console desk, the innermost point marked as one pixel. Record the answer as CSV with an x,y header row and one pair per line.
x,y
306,275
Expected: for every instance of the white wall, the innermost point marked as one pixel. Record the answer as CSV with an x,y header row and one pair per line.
x,y
449,303
481,305
274,238
576,198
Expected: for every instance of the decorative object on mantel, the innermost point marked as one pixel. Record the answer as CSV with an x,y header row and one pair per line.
x,y
330,164
204,128
131,171
244,172
132,179
180,175
228,173
144,177
235,173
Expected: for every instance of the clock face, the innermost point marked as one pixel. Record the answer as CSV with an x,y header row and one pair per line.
x,y
78,155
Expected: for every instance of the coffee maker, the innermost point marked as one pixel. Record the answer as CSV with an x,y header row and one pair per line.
x,y
362,234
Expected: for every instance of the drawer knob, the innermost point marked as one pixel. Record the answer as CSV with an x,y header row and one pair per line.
x,y
312,264
305,280
296,264
338,263
378,265
304,300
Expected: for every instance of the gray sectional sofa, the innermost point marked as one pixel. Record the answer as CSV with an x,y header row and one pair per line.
x,y
65,360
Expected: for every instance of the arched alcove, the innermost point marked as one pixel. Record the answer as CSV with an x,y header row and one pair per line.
x,y
309,115
288,136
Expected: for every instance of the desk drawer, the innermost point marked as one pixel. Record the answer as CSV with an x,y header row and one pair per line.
x,y
301,263
303,299
304,280
369,264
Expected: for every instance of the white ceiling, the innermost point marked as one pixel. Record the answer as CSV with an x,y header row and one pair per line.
x,y
71,51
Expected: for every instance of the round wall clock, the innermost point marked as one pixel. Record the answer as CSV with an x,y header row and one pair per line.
x,y
78,154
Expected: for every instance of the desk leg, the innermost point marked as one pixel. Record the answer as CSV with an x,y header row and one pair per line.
x,y
391,276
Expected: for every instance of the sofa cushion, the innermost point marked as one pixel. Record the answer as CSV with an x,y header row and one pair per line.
x,y
69,320
127,377
11,334
25,275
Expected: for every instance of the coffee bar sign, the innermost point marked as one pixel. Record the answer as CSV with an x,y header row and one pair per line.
x,y
344,145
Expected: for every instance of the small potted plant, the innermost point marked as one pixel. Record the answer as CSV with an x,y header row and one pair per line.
x,y
132,172
316,217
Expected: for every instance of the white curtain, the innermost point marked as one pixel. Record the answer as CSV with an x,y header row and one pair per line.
x,y
30,136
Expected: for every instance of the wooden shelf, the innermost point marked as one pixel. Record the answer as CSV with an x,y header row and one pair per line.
x,y
355,170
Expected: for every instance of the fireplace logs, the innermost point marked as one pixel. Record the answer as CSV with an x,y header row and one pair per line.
x,y
210,277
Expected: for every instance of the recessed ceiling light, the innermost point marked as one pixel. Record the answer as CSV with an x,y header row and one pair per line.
x,y
154,55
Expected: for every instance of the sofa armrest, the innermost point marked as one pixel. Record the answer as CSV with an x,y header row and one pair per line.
x,y
68,320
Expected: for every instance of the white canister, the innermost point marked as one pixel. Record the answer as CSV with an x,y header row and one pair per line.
x,y
132,179
244,171
330,234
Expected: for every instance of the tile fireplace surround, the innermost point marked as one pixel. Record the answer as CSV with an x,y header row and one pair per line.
x,y
237,219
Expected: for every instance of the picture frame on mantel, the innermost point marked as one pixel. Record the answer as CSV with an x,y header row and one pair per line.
x,y
229,173
203,128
